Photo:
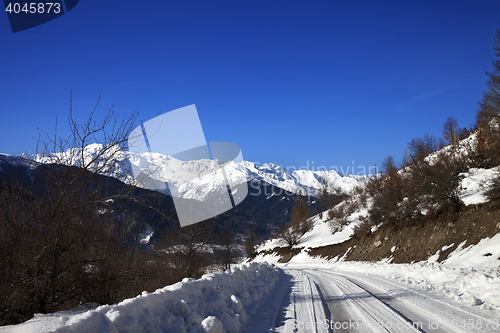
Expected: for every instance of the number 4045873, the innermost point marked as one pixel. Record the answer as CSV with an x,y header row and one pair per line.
x,y
34,7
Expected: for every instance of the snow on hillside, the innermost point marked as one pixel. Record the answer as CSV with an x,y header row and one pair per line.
x,y
484,254
472,189
215,303
321,234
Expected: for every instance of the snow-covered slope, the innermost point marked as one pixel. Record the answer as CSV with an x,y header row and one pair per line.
x,y
471,194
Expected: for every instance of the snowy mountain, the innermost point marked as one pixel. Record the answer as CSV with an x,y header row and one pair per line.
x,y
195,180
271,188
300,181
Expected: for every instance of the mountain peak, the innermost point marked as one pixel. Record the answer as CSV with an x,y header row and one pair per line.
x,y
304,182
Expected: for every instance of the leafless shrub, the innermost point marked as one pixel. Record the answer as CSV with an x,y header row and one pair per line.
x,y
492,186
438,183
187,249
363,228
337,217
394,199
291,233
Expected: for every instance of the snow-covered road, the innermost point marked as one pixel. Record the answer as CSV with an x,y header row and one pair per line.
x,y
300,297
321,299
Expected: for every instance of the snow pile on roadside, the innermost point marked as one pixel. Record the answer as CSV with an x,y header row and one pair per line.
x,y
216,303
484,254
468,285
272,258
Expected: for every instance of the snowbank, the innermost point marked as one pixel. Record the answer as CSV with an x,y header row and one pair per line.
x,y
484,254
469,285
215,303
269,258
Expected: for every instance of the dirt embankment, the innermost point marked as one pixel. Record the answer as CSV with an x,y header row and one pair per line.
x,y
417,242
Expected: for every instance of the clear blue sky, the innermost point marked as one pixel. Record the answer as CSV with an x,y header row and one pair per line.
x,y
289,81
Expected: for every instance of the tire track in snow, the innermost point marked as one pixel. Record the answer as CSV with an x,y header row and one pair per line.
x,y
304,310
446,316
371,299
360,310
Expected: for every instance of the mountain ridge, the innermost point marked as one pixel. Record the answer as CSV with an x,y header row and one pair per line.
x,y
302,182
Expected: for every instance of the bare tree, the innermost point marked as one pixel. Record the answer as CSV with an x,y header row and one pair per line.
x,y
187,248
62,239
451,131
419,148
228,252
389,165
489,107
486,152
438,184
250,241
291,233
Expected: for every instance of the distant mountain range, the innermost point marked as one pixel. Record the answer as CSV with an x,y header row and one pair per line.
x,y
302,182
272,189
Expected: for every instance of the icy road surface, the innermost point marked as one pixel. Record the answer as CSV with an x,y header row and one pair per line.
x,y
321,299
